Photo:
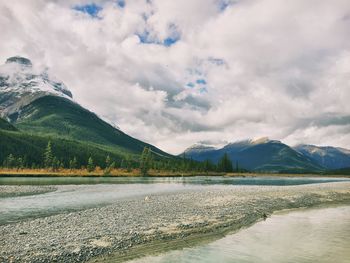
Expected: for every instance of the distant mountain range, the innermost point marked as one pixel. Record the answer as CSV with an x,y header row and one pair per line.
x,y
327,156
266,155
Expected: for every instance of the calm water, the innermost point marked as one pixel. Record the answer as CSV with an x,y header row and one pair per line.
x,y
81,193
77,197
273,180
316,235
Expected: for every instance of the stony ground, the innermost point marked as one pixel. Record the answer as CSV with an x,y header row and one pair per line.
x,y
81,236
21,190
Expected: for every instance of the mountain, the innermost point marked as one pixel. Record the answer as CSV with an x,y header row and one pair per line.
x,y
260,155
199,149
5,125
57,116
327,156
40,106
31,147
21,84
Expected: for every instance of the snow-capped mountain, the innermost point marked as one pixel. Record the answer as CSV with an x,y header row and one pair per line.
x,y
199,148
330,157
35,103
21,83
260,154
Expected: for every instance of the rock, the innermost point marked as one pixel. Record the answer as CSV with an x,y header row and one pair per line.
x,y
19,60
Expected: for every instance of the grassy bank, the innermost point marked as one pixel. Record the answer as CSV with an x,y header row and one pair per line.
x,y
136,173
101,173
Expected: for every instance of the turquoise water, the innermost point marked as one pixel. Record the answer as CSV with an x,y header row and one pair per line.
x,y
314,235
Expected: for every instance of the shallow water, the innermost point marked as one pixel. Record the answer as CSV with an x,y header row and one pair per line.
x,y
87,192
314,235
77,197
273,180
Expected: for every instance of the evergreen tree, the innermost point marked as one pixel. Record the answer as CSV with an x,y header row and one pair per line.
x,y
208,165
225,164
10,161
108,161
109,166
183,163
48,156
73,164
145,161
19,163
122,164
90,166
128,163
55,164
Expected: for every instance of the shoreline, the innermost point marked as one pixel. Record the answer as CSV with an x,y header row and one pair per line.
x,y
7,191
128,228
152,174
159,247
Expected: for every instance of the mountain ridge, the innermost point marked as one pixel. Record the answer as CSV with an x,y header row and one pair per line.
x,y
21,84
261,155
331,157
35,103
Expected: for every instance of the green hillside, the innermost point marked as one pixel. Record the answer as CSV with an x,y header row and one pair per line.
x,y
60,117
32,147
5,125
342,171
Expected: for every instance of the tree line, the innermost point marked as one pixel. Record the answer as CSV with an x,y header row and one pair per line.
x,y
147,161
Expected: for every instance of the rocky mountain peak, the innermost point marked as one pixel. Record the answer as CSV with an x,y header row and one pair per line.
x,y
199,147
21,83
19,60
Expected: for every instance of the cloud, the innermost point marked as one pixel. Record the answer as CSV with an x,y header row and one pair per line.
x,y
177,72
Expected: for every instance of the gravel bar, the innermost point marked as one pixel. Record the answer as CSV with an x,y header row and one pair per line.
x,y
94,234
21,190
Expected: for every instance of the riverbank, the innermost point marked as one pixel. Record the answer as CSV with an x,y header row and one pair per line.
x,y
23,190
140,222
317,234
98,172
136,173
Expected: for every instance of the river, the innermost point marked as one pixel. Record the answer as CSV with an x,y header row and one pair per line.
x,y
79,193
303,236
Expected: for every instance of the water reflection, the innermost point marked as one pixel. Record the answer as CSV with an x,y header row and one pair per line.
x,y
315,235
273,180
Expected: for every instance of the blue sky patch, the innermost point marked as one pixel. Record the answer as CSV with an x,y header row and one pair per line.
x,y
201,81
170,41
145,38
174,35
90,9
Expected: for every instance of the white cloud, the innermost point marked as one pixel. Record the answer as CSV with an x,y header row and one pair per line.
x,y
264,67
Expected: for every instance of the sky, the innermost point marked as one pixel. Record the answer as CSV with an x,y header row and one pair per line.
x,y
175,73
